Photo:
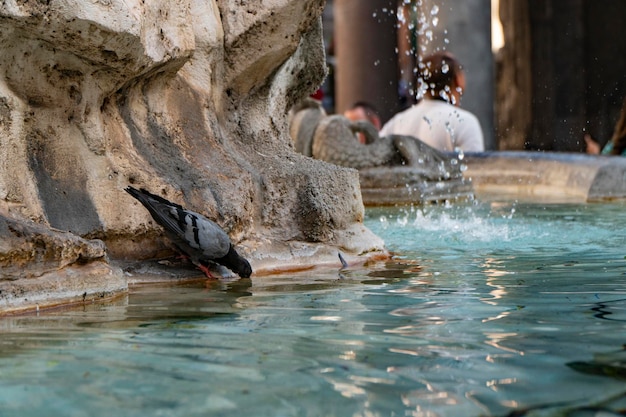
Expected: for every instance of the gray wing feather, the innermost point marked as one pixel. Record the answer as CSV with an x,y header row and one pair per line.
x,y
204,236
194,234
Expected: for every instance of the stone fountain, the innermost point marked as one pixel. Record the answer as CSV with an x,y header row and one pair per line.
x,y
188,99
393,169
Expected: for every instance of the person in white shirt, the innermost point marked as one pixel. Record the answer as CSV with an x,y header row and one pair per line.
x,y
437,119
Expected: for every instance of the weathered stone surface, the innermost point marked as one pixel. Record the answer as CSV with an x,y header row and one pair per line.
x,y
186,98
73,284
43,267
546,176
410,185
30,250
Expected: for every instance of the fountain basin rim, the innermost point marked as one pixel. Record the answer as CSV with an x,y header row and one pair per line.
x,y
546,177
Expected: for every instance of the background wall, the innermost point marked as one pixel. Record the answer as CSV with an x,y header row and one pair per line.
x,y
560,73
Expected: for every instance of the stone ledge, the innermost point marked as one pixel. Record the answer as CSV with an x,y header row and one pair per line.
x,y
99,280
546,176
383,186
84,283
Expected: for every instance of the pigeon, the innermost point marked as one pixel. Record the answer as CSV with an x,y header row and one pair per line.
x,y
195,236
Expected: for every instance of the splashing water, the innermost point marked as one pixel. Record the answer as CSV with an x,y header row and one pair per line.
x,y
447,224
421,22
492,226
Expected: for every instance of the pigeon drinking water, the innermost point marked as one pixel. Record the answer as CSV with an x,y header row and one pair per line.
x,y
197,237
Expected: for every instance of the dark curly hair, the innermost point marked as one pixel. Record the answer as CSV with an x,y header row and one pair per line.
x,y
438,73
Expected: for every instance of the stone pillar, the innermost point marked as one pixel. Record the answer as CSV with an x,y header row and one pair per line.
x,y
464,29
514,77
365,49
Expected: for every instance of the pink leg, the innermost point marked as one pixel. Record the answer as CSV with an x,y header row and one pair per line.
x,y
206,271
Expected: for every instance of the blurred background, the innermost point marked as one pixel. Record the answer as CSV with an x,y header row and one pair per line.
x,y
540,73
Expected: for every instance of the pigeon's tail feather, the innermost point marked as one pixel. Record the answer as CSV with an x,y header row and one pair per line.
x,y
160,209
144,195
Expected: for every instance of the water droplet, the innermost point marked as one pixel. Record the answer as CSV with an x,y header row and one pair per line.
x,y
384,221
445,68
400,16
512,213
434,10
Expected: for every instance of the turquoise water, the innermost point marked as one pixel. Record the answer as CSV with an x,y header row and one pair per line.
x,y
489,309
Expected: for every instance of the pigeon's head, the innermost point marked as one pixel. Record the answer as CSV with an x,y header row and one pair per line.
x,y
236,263
243,268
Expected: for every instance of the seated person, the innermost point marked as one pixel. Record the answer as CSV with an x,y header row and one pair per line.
x,y
362,110
437,119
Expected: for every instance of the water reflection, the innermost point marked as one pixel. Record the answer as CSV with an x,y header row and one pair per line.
x,y
494,271
457,325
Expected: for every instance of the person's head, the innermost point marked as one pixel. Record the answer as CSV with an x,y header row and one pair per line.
x,y
442,77
362,110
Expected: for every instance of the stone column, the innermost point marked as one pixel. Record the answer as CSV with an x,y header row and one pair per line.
x,y
464,29
365,49
514,77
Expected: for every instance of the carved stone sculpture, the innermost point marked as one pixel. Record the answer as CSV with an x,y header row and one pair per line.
x,y
186,98
393,169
